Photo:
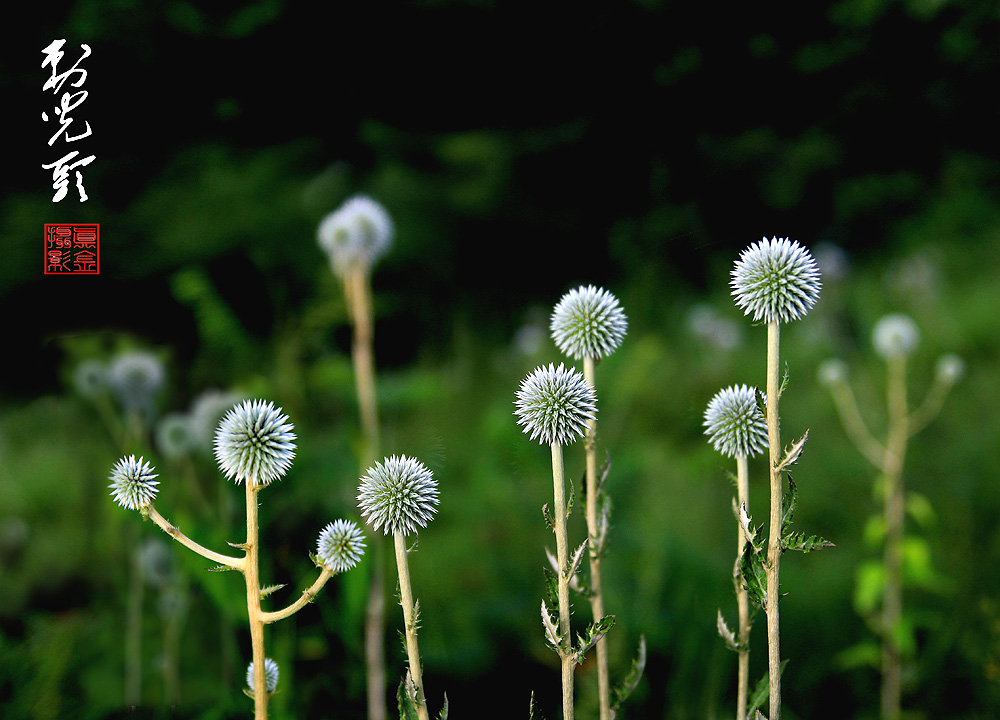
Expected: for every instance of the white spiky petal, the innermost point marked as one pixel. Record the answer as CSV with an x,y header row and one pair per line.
x,y
554,405
734,422
132,484
254,441
895,335
270,675
398,496
340,546
776,280
588,322
358,233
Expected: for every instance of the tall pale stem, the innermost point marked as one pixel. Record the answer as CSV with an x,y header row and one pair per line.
x,y
562,557
357,289
742,599
251,572
894,507
594,531
412,650
774,536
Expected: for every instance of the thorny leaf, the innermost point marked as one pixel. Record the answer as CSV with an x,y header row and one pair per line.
x,y
443,715
406,702
621,692
792,453
760,693
754,575
265,591
804,543
574,562
548,517
595,631
551,633
725,633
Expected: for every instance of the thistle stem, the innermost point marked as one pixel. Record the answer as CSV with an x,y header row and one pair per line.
x,y
562,557
251,573
406,600
894,508
307,597
742,598
596,549
233,562
854,424
774,530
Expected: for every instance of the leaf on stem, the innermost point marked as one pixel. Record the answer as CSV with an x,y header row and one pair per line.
x,y
570,496
725,633
406,701
443,715
265,591
551,632
595,631
760,693
754,575
792,453
548,517
531,708
574,562
630,682
804,543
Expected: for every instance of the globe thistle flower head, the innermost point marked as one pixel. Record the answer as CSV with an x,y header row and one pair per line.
x,y
136,376
132,484
950,368
734,422
90,378
174,437
254,442
832,372
554,405
398,496
358,233
340,546
895,335
270,675
205,413
775,281
588,322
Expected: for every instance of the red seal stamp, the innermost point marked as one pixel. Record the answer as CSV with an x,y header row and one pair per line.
x,y
72,249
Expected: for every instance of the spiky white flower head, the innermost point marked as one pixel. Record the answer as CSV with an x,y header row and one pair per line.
x,y
895,335
356,234
554,404
173,435
832,372
90,378
254,441
132,484
588,322
340,546
270,675
398,495
734,422
136,376
776,280
950,368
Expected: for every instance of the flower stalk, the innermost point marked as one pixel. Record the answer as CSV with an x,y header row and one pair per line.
x,y
772,565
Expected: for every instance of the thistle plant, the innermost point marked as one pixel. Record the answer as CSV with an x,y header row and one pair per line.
x,y
254,446
588,324
400,496
737,429
354,237
555,405
895,337
775,281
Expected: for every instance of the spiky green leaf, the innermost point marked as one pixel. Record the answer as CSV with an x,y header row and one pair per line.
x,y
725,633
594,632
630,682
406,703
443,715
804,543
754,575
265,591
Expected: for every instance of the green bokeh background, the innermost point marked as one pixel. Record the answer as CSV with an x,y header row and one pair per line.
x,y
522,149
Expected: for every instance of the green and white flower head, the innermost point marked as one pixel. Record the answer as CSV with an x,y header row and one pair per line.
x,y
136,376
554,405
398,496
895,335
174,436
776,281
270,675
950,368
254,441
90,378
356,234
588,322
832,372
340,546
735,424
132,484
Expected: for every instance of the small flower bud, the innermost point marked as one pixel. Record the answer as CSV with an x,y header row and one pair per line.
x,y
340,546
398,495
132,484
554,404
734,423
776,280
950,368
254,441
895,335
832,372
588,322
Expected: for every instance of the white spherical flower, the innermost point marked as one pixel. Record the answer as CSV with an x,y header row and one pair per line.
x,y
206,411
340,546
832,372
950,368
132,484
554,404
775,281
588,322
735,424
398,496
254,441
173,435
90,378
356,234
895,335
135,377
270,675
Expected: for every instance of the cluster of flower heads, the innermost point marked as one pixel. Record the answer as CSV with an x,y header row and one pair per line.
x,y
254,442
357,234
776,281
398,496
340,546
133,376
554,405
270,675
588,322
735,424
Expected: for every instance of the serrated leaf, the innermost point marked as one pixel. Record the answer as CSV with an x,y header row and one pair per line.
x,y
574,563
265,591
804,543
548,517
220,568
758,715
570,497
760,693
748,530
551,632
406,704
551,588
754,575
792,453
630,682
595,631
443,715
531,708
725,633
788,504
